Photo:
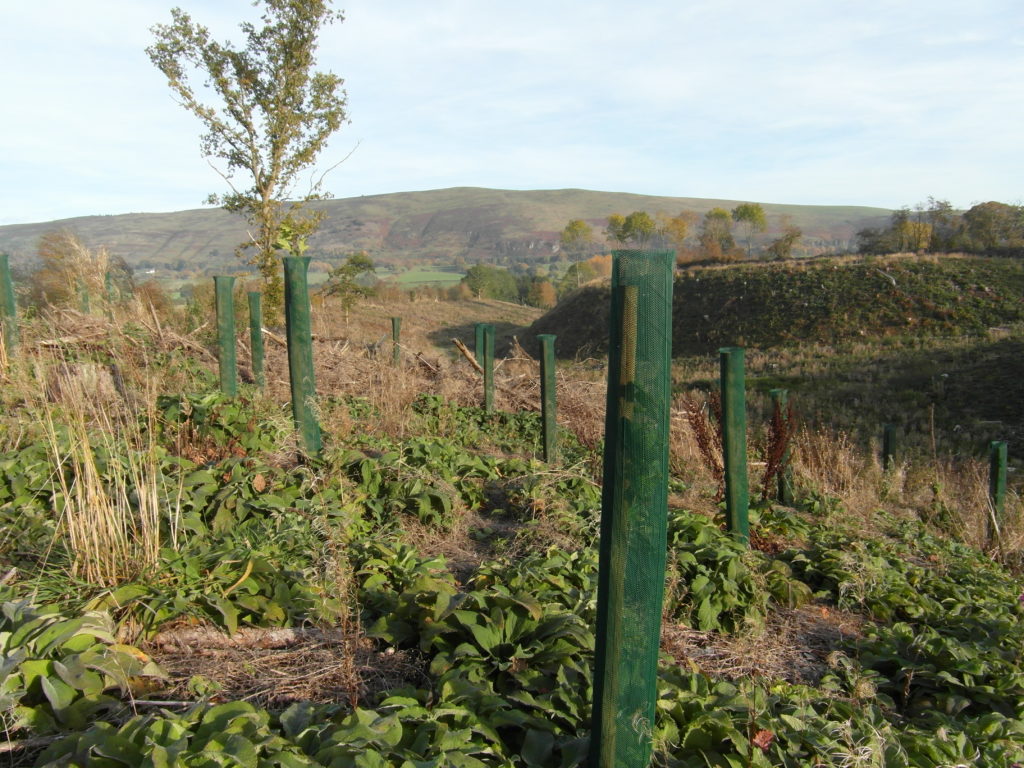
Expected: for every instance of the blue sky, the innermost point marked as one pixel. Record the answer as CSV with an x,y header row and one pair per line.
x,y
794,101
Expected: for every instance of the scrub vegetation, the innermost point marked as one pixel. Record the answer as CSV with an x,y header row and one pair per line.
x,y
179,587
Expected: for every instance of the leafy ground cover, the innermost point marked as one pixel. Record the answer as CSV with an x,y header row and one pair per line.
x,y
425,593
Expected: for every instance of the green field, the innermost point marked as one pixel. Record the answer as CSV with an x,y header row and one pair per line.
x,y
413,278
408,279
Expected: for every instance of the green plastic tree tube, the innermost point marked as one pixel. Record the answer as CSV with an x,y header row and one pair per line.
x,y
108,292
997,482
300,352
256,337
780,399
223,287
478,349
488,364
547,395
396,337
734,442
888,447
83,297
634,510
8,306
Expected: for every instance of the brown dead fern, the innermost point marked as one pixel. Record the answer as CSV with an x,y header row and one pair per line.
x,y
705,420
776,452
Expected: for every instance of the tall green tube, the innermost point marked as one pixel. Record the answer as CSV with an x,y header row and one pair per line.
x,y
488,364
634,510
888,447
108,293
547,395
997,483
478,349
256,337
780,399
734,442
223,287
83,297
396,337
300,352
8,306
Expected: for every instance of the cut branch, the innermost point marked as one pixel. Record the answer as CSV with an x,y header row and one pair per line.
x,y
468,355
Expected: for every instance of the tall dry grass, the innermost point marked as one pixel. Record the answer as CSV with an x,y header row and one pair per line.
x,y
110,539
114,508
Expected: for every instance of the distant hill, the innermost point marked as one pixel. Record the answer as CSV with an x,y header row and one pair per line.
x,y
811,300
472,223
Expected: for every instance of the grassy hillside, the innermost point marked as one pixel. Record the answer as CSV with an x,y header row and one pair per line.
x,y
929,345
467,222
827,300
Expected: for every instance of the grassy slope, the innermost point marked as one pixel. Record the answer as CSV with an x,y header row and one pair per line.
x,y
858,342
468,221
829,300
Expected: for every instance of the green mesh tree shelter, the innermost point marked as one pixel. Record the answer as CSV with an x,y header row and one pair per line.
x,y
488,365
300,352
478,336
634,508
547,395
396,339
780,411
256,337
997,485
108,294
224,298
83,298
8,306
734,442
888,447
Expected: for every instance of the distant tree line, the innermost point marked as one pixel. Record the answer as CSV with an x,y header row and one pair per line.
x,y
991,228
710,238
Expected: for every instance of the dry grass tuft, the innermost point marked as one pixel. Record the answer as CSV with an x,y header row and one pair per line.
x,y
319,670
794,645
112,526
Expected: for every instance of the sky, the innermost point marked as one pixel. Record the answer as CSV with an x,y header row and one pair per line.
x,y
878,102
